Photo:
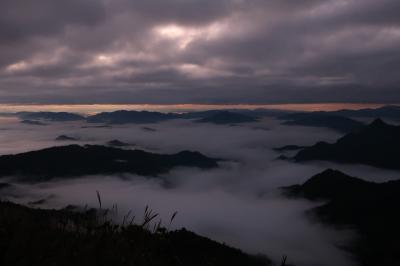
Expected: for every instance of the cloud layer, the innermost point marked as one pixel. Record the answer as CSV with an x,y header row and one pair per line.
x,y
238,203
199,51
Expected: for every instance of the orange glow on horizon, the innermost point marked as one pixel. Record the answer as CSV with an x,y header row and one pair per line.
x,y
96,108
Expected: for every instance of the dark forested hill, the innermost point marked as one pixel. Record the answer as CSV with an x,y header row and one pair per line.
x,y
378,144
75,160
369,208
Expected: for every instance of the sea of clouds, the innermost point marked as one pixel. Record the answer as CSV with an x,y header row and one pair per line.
x,y
239,203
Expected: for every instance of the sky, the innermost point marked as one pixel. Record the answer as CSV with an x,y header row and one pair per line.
x,y
199,51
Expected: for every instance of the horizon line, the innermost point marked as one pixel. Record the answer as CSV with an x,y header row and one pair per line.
x,y
103,107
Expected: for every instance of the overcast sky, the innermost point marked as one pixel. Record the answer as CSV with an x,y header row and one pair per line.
x,y
199,51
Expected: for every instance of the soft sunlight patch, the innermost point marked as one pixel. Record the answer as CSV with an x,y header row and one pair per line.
x,y
197,71
104,60
17,66
172,31
185,35
182,35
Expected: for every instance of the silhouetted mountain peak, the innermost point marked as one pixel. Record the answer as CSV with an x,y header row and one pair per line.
x,y
118,143
369,208
378,123
329,173
75,160
331,178
378,145
65,138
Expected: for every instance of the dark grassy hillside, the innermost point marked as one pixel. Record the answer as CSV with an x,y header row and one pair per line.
x,y
63,237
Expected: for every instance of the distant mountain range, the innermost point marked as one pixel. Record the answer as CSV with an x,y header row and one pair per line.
x,y
50,116
118,143
33,122
198,114
340,120
225,117
387,112
337,120
143,117
65,138
75,160
369,208
391,112
322,119
377,144
290,148
124,117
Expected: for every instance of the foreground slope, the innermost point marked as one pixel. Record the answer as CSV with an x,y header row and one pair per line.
x,y
62,237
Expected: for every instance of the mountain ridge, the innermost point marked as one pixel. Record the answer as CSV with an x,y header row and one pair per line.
x,y
377,144
76,160
371,209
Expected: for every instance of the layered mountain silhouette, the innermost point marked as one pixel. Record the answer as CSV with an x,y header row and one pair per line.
x,y
340,120
118,143
226,117
377,144
144,117
198,114
369,208
66,138
322,119
75,160
51,116
290,148
388,112
330,185
125,117
332,119
33,122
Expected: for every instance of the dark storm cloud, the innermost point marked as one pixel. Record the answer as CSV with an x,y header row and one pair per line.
x,y
20,20
207,51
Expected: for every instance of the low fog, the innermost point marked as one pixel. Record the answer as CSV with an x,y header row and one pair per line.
x,y
238,203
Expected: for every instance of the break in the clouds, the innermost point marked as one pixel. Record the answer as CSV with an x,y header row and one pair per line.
x,y
199,51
